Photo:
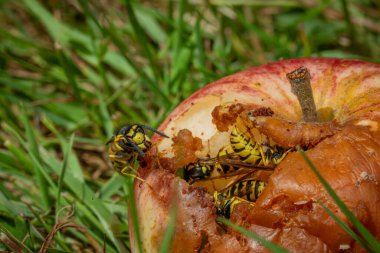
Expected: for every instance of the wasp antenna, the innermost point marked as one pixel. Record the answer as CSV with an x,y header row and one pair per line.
x,y
154,130
135,147
122,130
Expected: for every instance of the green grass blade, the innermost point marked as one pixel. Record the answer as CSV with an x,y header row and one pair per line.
x,y
149,20
351,217
111,187
179,29
89,13
35,155
260,3
346,228
153,86
21,158
67,65
63,172
170,229
141,38
200,51
60,32
65,35
179,71
35,163
133,213
31,138
11,207
271,246
105,116
350,26
42,173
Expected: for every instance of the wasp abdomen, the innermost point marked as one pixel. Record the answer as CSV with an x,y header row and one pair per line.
x,y
243,191
194,172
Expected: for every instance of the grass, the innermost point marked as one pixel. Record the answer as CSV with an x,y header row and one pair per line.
x,y
270,246
364,237
72,71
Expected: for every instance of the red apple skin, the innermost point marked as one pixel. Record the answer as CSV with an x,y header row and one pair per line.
x,y
287,213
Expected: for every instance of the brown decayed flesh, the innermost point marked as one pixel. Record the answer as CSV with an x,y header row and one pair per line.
x,y
294,239
353,173
225,116
262,111
196,228
184,147
290,134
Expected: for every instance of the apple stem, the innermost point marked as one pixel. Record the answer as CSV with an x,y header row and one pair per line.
x,y
300,82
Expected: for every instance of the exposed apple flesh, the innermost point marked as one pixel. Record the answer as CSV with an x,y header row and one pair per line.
x,y
346,153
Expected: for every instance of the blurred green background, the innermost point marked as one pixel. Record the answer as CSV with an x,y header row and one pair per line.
x,y
73,71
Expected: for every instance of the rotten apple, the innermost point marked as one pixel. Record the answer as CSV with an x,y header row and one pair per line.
x,y
342,140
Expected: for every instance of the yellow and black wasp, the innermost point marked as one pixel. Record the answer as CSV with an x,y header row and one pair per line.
x,y
244,152
203,168
247,153
247,191
129,145
224,206
254,152
195,171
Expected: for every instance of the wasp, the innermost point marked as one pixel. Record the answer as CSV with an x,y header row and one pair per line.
x,y
195,171
224,206
243,152
247,191
203,168
129,145
253,152
230,162
226,166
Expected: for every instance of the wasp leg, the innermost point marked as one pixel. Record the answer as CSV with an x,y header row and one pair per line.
x,y
234,201
126,171
141,153
132,175
264,159
119,156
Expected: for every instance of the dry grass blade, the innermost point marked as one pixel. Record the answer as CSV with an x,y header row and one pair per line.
x,y
60,224
10,243
13,243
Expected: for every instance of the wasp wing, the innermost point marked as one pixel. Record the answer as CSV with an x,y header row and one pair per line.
x,y
233,161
